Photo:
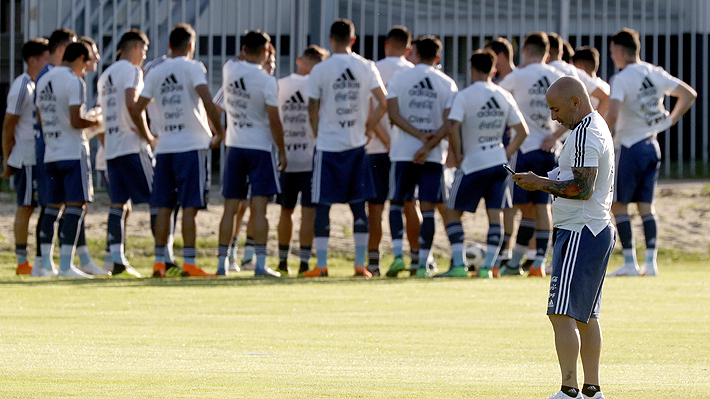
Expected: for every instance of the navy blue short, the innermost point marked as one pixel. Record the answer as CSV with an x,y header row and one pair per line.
x,y
25,182
43,187
130,177
407,177
468,190
293,184
69,181
579,262
380,164
342,177
181,178
538,162
637,172
245,169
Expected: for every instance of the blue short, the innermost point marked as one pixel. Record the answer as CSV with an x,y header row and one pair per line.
x,y
468,190
538,162
342,177
43,187
579,262
293,184
130,177
25,182
181,178
244,168
406,177
69,181
380,164
637,170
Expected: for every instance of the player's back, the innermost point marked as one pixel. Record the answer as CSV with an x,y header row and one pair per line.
x,y
156,118
298,134
20,102
387,67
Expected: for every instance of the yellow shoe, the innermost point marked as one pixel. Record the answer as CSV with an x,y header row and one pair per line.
x,y
361,271
317,272
24,268
189,270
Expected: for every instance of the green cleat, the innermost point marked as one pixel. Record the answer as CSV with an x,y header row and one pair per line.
x,y
455,271
423,272
174,271
511,271
485,273
397,266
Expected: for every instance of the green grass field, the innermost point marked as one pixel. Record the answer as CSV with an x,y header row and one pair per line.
x,y
340,337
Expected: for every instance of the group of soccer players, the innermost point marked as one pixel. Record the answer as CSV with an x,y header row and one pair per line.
x,y
342,129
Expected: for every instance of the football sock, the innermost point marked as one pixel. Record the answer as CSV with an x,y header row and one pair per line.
x,y
414,257
361,233
503,251
188,255
397,228
222,254
46,235
590,390
492,246
69,235
650,231
525,233
542,241
570,391
426,237
248,249
321,228
456,237
260,251
153,218
115,229
623,226
283,253
373,260
81,248
305,254
21,253
160,254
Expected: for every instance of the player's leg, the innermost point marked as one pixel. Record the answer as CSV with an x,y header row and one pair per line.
x,y
459,201
321,230
431,194
360,236
590,335
24,183
78,191
306,235
402,183
413,222
226,228
543,236
261,233
650,231
624,194
189,237
374,215
567,346
285,231
248,258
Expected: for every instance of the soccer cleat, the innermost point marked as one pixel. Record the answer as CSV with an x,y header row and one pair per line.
x,y
266,272
24,268
127,272
189,270
375,272
496,271
597,395
73,272
627,269
303,268
248,264
528,264
94,269
422,272
397,266
484,273
317,272
362,272
649,270
284,269
108,262
159,269
173,271
232,265
46,273
537,272
562,395
511,271
455,271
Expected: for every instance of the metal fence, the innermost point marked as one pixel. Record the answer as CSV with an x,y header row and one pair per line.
x,y
674,35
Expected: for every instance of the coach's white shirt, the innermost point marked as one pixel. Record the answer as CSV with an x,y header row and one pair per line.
x,y
529,85
387,66
57,90
121,136
247,90
589,145
20,103
343,84
422,93
171,85
641,88
484,110
299,140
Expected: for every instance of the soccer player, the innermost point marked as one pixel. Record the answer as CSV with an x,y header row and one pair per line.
x,y
254,134
481,112
418,99
299,143
128,156
503,50
637,115
339,91
61,96
182,169
586,59
18,152
528,85
584,236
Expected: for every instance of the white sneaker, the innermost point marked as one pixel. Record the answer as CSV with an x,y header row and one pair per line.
x,y
597,395
129,272
248,264
627,269
646,270
42,272
73,272
94,269
267,272
233,266
36,267
108,263
562,395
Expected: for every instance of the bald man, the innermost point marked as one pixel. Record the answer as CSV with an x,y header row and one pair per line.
x,y
584,236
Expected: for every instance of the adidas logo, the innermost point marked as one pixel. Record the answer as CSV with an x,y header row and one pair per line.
x,y
647,88
540,87
47,94
295,103
647,84
108,88
346,81
170,84
423,89
238,88
424,84
490,108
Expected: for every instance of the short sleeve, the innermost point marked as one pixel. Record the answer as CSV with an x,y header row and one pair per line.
x,y
198,74
515,117
77,91
392,87
135,79
451,94
16,97
618,89
375,77
508,83
457,108
586,149
313,89
667,81
218,98
148,86
587,80
271,93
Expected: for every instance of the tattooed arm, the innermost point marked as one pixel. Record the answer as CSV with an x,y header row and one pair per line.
x,y
581,188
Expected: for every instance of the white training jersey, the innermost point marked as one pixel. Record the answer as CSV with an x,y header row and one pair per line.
x,y
20,103
155,118
529,85
343,84
387,67
603,86
121,137
422,93
641,88
571,70
484,110
299,140
57,90
589,145
171,85
247,90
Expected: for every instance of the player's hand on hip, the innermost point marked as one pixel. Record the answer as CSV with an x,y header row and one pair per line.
x,y
421,155
527,181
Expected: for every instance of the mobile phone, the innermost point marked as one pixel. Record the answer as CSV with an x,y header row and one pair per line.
x,y
511,171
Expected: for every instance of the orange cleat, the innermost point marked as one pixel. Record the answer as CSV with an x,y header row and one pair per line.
x,y
189,270
361,271
317,272
159,269
496,271
24,268
537,272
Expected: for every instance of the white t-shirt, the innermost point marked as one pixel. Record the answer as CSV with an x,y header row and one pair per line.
x,y
298,134
484,110
601,84
422,93
20,103
343,84
121,135
571,70
529,85
155,117
247,90
641,88
58,90
171,85
387,67
589,145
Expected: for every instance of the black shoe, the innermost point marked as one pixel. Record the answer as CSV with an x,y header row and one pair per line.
x,y
375,272
303,268
527,264
284,269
